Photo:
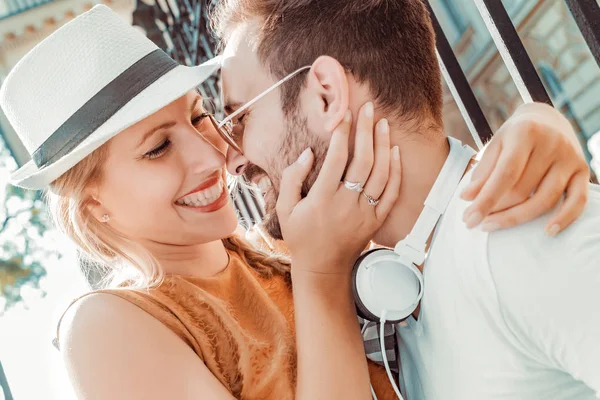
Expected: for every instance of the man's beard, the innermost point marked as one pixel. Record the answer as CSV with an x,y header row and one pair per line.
x,y
296,139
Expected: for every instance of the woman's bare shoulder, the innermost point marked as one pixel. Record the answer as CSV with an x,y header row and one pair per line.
x,y
114,349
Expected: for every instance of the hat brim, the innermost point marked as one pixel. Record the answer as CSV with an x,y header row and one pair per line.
x,y
168,88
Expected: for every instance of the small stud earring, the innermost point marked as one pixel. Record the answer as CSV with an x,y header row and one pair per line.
x,y
105,218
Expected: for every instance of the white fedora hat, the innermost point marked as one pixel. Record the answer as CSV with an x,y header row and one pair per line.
x,y
85,83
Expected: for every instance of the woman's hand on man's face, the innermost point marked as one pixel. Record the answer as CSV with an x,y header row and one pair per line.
x,y
329,228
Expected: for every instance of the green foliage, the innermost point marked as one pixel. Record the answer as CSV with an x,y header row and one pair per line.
x,y
25,228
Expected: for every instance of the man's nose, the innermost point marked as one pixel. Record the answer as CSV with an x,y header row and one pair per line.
x,y
236,162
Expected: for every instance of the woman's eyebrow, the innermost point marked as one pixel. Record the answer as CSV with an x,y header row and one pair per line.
x,y
166,124
196,100
153,130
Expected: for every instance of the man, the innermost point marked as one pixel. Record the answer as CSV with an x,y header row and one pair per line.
x,y
510,314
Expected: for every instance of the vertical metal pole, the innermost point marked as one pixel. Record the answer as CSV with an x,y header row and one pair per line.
x,y
459,86
512,51
247,204
4,385
587,16
244,216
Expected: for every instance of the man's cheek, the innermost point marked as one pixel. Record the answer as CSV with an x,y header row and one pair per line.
x,y
313,175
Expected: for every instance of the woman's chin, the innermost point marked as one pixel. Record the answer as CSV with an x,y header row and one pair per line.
x,y
226,224
192,231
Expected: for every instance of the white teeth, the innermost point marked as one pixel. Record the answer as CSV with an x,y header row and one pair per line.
x,y
203,197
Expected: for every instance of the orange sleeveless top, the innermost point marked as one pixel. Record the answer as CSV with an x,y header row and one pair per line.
x,y
240,324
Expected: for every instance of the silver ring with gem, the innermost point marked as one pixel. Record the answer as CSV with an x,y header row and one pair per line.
x,y
372,202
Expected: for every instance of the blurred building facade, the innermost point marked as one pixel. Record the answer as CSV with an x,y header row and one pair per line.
x,y
555,45
23,24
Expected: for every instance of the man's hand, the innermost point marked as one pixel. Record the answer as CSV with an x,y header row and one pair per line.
x,y
532,160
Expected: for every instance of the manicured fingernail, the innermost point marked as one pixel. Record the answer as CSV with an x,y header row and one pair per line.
x,y
305,156
396,153
490,226
473,219
383,126
369,110
553,230
348,116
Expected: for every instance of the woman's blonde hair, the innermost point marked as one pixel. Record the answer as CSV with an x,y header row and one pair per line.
x,y
122,259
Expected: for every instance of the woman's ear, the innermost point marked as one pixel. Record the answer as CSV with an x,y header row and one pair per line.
x,y
95,207
329,92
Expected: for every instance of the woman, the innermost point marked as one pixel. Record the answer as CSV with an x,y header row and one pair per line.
x,y
136,172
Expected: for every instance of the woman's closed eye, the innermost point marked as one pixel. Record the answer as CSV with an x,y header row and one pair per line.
x,y
159,150
164,146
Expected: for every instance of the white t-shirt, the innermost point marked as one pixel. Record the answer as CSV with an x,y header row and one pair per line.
x,y
511,315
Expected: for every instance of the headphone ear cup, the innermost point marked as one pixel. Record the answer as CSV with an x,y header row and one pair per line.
x,y
361,309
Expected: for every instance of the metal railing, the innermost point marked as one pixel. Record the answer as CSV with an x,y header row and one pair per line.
x,y
514,55
7,394
587,16
10,8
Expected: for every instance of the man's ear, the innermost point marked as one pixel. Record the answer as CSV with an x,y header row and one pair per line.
x,y
329,92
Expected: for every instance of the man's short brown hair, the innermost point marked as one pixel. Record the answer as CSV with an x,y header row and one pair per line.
x,y
388,44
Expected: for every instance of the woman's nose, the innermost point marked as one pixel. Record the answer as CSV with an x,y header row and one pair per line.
x,y
202,154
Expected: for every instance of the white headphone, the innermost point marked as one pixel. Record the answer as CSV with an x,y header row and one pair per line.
x,y
387,284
